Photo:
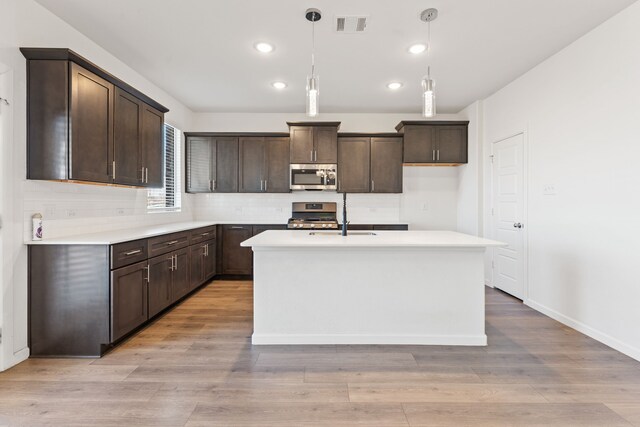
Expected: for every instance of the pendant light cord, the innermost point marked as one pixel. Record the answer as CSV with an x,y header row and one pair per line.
x,y
313,46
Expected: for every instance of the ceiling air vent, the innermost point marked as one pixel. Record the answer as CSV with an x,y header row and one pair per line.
x,y
351,24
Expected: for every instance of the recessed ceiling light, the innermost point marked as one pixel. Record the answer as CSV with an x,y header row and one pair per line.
x,y
279,85
394,85
417,48
264,47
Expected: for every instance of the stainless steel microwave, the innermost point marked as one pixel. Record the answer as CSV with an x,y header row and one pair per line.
x,y
313,177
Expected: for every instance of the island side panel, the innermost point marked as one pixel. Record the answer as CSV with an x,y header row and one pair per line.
x,y
68,300
429,296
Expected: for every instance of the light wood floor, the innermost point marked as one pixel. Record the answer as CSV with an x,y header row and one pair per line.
x,y
196,367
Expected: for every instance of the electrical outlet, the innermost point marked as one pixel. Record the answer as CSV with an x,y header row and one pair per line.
x,y
119,211
549,190
71,213
49,211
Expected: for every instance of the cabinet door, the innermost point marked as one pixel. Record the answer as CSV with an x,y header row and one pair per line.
x,y
301,144
325,140
153,149
452,144
210,260
91,127
128,299
200,161
354,155
277,165
236,259
257,229
419,144
225,176
386,165
160,269
180,280
196,265
252,163
127,113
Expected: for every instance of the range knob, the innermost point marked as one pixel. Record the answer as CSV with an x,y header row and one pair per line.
x,y
312,226
324,225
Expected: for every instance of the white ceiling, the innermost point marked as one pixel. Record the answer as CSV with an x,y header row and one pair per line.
x,y
201,51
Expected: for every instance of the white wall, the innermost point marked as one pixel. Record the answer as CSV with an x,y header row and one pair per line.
x,y
25,23
580,111
470,175
429,199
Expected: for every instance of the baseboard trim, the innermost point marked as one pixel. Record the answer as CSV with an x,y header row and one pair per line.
x,y
597,335
322,339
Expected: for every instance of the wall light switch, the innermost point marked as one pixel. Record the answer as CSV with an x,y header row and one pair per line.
x,y
549,190
425,206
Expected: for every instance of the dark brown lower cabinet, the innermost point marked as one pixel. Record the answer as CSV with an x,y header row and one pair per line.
x,y
160,270
236,260
202,261
83,299
180,283
128,299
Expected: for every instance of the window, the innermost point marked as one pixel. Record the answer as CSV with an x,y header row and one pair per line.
x,y
168,197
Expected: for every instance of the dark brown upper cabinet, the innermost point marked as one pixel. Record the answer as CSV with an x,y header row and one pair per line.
x,y
369,164
84,124
314,142
354,158
212,164
435,142
386,165
264,165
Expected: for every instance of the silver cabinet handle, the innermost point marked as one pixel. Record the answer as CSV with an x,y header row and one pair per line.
x,y
146,175
261,185
171,259
213,185
173,242
113,169
235,227
137,251
438,155
433,155
142,174
311,155
315,155
204,249
373,185
148,278
176,258
204,234
265,185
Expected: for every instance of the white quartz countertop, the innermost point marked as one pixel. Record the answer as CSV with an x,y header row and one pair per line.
x,y
333,239
125,235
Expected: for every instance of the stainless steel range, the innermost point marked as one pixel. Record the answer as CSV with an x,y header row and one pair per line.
x,y
313,215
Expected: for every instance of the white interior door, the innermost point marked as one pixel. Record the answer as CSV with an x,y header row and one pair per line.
x,y
508,209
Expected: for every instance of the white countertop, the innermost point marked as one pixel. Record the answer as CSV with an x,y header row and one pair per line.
x,y
436,239
125,235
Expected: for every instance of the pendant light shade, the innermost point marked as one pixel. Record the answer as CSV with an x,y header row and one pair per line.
x,y
313,84
313,96
428,96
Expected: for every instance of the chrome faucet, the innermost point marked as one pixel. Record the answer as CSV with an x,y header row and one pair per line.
x,y
345,223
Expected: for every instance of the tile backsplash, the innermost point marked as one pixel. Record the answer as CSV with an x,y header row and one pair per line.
x,y
69,208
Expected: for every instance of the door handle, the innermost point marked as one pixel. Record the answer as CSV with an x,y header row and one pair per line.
x,y
518,225
311,155
171,259
147,279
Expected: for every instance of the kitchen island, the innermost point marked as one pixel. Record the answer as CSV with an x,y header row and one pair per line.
x,y
382,287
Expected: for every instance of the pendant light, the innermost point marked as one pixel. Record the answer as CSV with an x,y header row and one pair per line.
x,y
428,85
313,87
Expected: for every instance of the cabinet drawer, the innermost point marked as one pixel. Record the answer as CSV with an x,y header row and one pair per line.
x,y
167,243
202,234
392,227
128,253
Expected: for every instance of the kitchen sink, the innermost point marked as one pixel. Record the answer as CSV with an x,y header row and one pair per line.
x,y
338,233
